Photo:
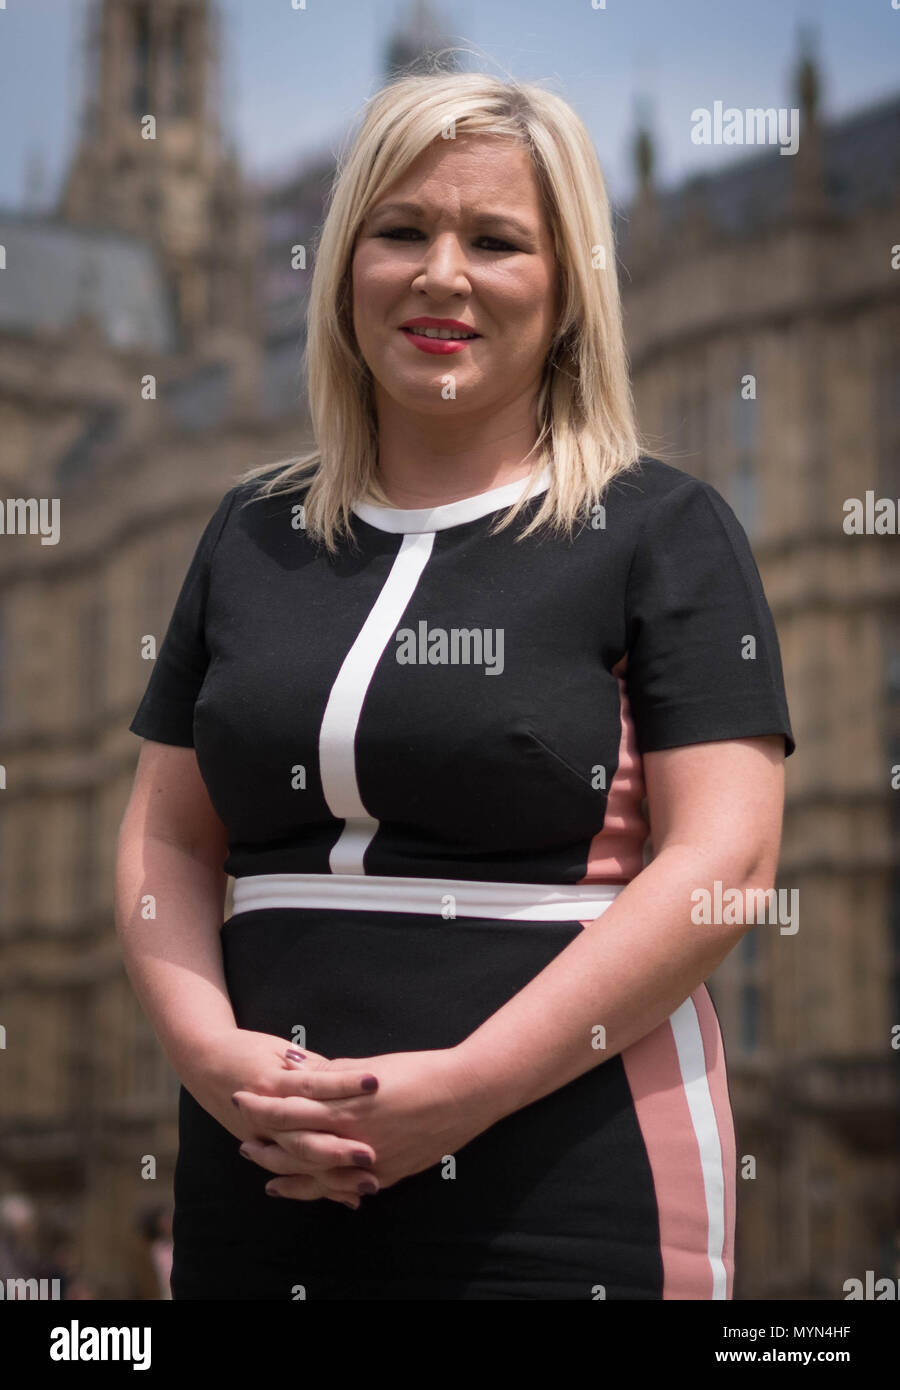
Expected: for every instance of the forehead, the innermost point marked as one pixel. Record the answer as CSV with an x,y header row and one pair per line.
x,y
466,173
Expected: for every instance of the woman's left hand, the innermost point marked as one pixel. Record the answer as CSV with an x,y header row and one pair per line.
x,y
428,1105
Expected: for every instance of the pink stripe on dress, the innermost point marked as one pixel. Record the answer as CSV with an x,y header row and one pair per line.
x,y
676,1075
717,1075
616,852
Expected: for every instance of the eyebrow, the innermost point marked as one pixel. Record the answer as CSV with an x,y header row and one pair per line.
x,y
492,219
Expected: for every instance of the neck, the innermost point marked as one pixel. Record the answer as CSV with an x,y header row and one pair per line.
x,y
427,460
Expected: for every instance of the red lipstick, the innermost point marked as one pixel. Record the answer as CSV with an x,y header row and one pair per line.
x,y
433,344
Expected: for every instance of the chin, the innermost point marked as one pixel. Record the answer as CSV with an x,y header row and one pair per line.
x,y
425,402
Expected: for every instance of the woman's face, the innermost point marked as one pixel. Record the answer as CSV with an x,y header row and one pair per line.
x,y
471,245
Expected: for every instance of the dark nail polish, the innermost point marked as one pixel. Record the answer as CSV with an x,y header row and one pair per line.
x,y
362,1160
295,1056
370,1083
367,1185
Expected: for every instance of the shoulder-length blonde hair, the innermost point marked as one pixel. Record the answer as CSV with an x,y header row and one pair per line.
x,y
587,432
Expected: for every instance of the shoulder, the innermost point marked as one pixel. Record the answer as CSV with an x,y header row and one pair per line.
x,y
655,504
286,487
650,482
250,517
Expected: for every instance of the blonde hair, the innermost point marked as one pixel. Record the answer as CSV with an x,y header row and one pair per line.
x,y
587,431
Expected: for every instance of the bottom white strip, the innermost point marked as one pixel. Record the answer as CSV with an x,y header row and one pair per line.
x,y
444,897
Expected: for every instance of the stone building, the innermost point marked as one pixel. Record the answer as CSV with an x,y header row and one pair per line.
x,y
763,322
150,336
139,373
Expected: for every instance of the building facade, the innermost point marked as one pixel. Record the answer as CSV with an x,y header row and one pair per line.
x,y
763,322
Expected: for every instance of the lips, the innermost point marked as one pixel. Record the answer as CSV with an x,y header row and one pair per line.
x,y
454,325
434,341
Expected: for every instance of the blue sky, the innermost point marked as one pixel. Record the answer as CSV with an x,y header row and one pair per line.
x,y
294,80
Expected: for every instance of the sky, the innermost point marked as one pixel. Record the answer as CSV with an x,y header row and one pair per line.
x,y
295,80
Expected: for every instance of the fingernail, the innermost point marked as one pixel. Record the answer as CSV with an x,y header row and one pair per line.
x,y
272,1192
295,1056
367,1185
243,1152
362,1160
354,1206
370,1083
236,1102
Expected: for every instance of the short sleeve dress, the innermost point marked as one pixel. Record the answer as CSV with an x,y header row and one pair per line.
x,y
427,751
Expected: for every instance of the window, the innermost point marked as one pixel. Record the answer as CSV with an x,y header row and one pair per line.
x,y
92,659
140,92
744,496
23,830
887,424
179,64
745,443
691,430
892,731
749,994
84,860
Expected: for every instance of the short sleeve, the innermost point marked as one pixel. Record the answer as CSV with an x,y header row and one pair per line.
x,y
166,711
703,661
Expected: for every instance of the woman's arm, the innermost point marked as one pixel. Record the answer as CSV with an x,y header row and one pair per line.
x,y
715,813
169,901
170,897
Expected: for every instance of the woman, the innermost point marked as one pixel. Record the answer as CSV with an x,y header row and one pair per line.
x,y
432,673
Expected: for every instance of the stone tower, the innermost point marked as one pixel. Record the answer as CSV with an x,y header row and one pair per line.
x,y
152,157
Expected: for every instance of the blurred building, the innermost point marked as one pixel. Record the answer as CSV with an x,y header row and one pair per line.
x,y
141,367
763,322
150,338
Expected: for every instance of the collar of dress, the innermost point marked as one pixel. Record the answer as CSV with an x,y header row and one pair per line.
x,y
420,519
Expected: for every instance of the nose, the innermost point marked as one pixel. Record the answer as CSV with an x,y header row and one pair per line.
x,y
445,268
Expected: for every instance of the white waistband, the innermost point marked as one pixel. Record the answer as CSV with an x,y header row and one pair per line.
x,y
444,897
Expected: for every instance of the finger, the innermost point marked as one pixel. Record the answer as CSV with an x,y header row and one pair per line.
x,y
340,1181
273,1158
270,1113
306,1151
322,1083
338,1185
299,1187
302,1189
318,1150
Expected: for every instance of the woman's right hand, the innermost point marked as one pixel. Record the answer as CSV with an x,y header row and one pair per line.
x,y
241,1060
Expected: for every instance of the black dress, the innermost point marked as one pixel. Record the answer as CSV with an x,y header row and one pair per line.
x,y
464,714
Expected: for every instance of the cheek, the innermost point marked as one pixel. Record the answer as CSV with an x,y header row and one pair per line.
x,y
525,305
365,295
375,282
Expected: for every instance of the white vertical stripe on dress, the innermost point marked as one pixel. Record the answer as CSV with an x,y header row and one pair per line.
x,y
692,1061
337,736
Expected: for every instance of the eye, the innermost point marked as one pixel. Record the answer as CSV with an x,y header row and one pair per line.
x,y
394,233
399,234
499,245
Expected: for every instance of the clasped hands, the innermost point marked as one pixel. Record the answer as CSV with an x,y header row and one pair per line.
x,y
341,1127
